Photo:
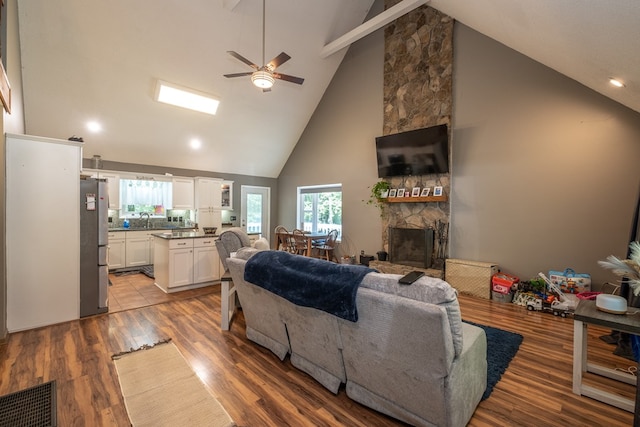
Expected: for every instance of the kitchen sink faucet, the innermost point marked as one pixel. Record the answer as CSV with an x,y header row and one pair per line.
x,y
148,218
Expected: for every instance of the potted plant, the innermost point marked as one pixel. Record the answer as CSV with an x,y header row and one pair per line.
x,y
379,192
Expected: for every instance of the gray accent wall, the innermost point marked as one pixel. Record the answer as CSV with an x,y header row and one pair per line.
x,y
544,170
338,145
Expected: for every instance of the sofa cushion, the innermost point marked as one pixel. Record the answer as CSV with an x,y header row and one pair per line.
x,y
426,289
261,244
246,253
229,242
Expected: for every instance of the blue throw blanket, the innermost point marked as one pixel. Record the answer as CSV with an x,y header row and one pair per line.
x,y
308,282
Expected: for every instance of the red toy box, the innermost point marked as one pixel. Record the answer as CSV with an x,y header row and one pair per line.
x,y
501,283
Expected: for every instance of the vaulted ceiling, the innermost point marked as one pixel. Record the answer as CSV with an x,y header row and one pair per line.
x,y
100,61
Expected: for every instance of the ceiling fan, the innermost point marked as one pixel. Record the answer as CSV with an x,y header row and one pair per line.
x,y
264,76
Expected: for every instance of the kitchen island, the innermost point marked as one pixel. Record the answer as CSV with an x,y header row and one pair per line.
x,y
185,260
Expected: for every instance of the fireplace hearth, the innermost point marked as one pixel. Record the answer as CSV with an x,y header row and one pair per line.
x,y
411,246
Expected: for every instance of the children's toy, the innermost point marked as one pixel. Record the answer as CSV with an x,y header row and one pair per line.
x,y
555,303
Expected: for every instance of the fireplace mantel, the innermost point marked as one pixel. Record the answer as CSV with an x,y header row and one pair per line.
x,y
427,199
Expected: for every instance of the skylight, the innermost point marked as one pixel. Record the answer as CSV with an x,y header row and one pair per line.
x,y
169,93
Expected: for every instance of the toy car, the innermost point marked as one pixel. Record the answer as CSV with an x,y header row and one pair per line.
x,y
556,307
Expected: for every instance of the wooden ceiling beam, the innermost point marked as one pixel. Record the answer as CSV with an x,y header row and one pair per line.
x,y
375,23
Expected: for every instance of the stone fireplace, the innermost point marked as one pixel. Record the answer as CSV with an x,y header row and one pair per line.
x,y
411,246
418,86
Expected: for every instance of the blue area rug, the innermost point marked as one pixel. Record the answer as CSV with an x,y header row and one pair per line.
x,y
502,346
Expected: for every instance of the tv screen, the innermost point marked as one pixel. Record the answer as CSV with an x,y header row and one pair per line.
x,y
415,152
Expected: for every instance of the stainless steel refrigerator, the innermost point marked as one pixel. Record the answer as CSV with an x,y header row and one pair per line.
x,y
94,227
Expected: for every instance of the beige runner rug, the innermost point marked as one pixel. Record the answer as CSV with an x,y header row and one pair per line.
x,y
161,389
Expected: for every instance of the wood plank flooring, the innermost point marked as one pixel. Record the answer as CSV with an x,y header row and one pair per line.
x,y
129,291
257,389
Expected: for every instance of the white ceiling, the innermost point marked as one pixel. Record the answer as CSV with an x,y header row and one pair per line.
x,y
98,60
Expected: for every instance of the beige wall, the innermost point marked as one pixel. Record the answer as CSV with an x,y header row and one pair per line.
x,y
543,168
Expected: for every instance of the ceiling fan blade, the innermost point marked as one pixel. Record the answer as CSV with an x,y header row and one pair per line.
x,y
243,59
278,61
287,78
238,74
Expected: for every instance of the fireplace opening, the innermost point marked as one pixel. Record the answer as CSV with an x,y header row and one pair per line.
x,y
411,246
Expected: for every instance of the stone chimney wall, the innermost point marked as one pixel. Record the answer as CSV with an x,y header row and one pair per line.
x,y
418,70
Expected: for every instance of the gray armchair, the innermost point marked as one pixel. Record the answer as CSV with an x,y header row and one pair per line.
x,y
230,241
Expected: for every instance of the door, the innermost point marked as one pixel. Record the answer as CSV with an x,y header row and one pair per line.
x,y
255,208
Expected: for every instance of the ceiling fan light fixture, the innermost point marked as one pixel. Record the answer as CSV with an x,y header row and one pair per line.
x,y
262,79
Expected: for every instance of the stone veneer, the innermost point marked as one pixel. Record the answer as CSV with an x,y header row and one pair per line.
x,y
418,69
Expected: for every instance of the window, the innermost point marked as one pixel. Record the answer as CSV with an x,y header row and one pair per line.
x,y
320,208
144,195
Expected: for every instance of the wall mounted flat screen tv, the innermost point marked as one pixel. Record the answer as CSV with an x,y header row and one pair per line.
x,y
415,152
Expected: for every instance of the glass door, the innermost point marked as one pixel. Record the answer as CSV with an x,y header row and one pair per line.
x,y
255,207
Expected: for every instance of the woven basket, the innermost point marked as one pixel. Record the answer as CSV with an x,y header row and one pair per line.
x,y
471,277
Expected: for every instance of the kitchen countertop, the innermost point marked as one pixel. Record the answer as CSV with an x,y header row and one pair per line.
x,y
149,229
183,235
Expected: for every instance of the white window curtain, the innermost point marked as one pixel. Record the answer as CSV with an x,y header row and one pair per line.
x,y
139,195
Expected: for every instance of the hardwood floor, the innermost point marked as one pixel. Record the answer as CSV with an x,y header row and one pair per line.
x,y
259,390
129,291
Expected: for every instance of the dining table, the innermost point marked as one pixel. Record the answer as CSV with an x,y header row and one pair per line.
x,y
310,237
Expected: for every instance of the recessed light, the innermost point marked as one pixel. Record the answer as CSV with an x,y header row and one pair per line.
x,y
195,143
191,99
94,126
616,82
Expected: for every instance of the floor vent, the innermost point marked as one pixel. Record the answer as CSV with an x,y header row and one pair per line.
x,y
35,406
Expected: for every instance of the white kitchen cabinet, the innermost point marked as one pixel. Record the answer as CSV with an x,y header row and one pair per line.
x,y
113,184
130,248
209,217
208,200
189,263
116,254
208,192
226,201
183,197
137,248
180,267
173,263
206,262
91,173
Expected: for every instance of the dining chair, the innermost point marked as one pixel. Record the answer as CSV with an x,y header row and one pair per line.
x,y
300,242
326,250
281,240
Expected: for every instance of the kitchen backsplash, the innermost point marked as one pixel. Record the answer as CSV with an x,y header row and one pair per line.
x,y
175,218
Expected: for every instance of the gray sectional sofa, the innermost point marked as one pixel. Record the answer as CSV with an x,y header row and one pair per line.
x,y
409,355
